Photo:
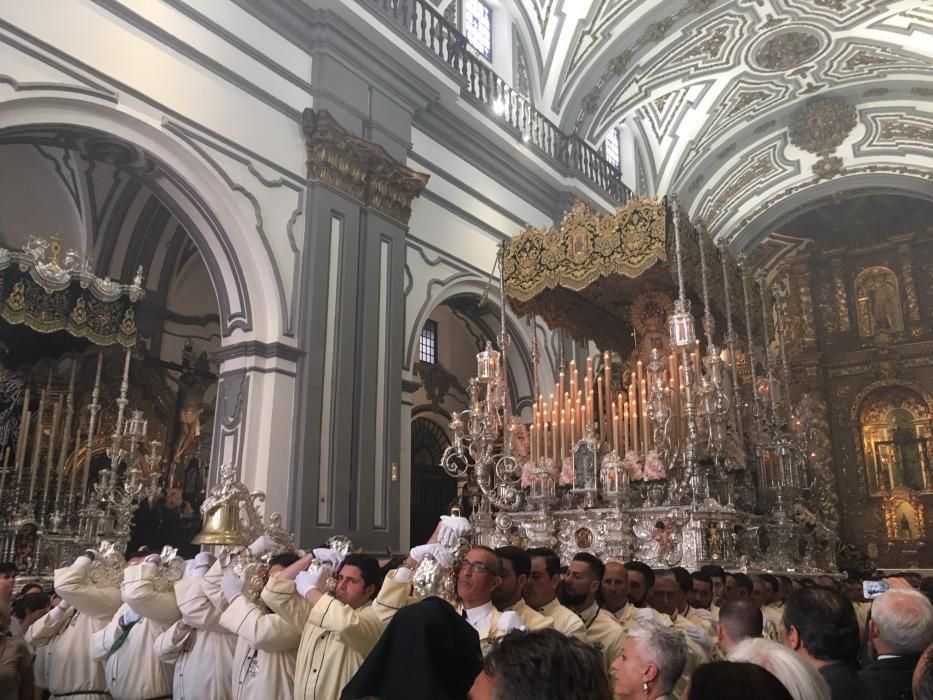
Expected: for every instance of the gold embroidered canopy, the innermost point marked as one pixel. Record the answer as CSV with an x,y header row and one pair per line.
x,y
48,290
584,275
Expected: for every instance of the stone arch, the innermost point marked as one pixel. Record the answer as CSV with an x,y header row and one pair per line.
x,y
472,286
788,204
195,194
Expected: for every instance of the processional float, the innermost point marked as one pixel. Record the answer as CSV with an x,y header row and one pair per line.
x,y
667,446
50,507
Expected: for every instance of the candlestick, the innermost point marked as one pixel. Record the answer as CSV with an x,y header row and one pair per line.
x,y
20,456
92,423
6,463
37,443
50,458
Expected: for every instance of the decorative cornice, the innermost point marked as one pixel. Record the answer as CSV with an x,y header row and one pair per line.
x,y
255,348
360,168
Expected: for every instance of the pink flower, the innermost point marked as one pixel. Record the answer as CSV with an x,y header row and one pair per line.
x,y
654,467
566,472
526,474
632,466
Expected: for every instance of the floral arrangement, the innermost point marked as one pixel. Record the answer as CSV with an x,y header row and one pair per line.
x,y
804,515
566,472
549,464
651,469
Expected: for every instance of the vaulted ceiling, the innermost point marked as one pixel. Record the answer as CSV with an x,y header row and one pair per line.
x,y
751,110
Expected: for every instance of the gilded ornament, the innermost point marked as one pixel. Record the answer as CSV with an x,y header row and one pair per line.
x,y
358,167
822,124
828,167
787,50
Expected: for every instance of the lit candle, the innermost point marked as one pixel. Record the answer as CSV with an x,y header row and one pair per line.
x,y
615,429
600,410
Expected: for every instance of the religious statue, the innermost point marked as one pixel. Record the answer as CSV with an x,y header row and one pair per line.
x,y
879,304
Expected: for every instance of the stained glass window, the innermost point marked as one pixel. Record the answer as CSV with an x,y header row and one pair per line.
x,y
477,26
428,344
612,148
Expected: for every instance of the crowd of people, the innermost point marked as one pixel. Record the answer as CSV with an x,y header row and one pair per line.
x,y
518,625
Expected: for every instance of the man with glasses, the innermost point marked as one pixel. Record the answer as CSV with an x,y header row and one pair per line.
x,y
603,631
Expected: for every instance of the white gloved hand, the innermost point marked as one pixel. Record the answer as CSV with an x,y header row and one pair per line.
x,y
329,556
704,614
199,565
438,551
306,580
262,545
453,527
231,586
509,621
644,616
85,560
58,611
128,617
699,636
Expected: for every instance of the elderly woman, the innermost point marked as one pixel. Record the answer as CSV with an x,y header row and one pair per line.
x,y
15,663
802,681
652,660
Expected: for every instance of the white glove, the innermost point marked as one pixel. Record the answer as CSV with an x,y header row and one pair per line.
x,y
329,556
698,635
509,621
204,559
704,614
262,545
199,565
231,586
85,560
128,617
644,616
56,613
153,559
453,527
438,551
306,580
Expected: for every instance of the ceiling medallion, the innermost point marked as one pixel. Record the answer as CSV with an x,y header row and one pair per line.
x,y
822,124
787,50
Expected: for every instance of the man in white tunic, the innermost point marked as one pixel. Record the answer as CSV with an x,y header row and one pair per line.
x,y
267,645
339,630
198,647
125,645
65,632
541,593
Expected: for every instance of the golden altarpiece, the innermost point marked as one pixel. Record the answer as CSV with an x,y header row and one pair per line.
x,y
85,416
861,343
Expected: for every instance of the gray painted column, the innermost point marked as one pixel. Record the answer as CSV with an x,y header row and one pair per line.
x,y
351,327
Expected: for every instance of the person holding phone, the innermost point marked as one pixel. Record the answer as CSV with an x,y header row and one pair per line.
x,y
900,628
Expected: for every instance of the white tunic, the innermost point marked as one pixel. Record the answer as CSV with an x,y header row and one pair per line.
x,y
266,649
203,655
134,672
65,643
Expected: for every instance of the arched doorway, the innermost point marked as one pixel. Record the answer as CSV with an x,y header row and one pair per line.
x,y
432,491
118,205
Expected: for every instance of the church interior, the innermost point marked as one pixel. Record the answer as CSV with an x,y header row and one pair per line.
x,y
646,279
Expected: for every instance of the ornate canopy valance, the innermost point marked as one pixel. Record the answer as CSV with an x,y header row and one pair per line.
x,y
48,290
584,275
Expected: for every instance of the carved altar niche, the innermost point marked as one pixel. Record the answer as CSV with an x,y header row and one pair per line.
x,y
904,517
879,310
896,432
